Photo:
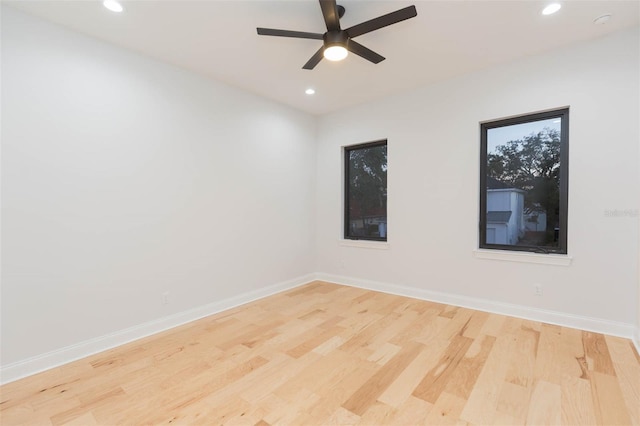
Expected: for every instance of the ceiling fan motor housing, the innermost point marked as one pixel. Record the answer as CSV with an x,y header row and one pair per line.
x,y
335,38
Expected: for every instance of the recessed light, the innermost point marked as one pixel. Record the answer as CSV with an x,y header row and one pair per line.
x,y
309,91
602,19
113,5
551,9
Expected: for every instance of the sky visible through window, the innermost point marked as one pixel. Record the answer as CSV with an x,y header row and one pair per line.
x,y
501,135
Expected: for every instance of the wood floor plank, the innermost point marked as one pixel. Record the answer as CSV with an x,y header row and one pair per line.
x,y
341,416
329,346
634,350
335,377
330,354
493,325
555,357
339,388
476,323
313,340
522,365
457,324
463,378
504,419
423,326
629,380
292,408
414,411
202,412
513,402
369,392
18,414
365,336
621,351
628,374
378,414
434,383
108,397
597,353
609,405
276,377
446,410
482,403
401,389
545,405
384,353
399,323
576,401
84,420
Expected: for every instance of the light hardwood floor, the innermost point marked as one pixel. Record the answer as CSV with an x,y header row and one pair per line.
x,y
328,354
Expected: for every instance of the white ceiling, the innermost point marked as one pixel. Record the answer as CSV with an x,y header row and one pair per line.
x,y
447,38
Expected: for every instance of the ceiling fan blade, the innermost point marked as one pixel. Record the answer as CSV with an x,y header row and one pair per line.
x,y
315,59
362,51
330,13
287,33
382,21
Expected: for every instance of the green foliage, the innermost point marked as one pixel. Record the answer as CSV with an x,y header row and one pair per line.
x,y
368,179
533,165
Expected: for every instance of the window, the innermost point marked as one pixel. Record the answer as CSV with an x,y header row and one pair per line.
x,y
523,183
365,194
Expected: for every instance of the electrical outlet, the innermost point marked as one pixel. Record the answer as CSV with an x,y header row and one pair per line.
x,y
165,298
537,289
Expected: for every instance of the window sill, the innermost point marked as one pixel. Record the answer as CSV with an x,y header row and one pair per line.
x,y
514,256
377,245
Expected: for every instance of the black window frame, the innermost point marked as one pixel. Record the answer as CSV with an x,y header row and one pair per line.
x,y
563,114
346,151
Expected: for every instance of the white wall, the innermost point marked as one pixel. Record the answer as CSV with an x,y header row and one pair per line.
x,y
433,141
637,331
124,178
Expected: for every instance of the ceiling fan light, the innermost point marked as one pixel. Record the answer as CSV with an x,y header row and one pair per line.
x,y
335,53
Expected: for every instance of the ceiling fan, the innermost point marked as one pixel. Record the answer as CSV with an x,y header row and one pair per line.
x,y
338,42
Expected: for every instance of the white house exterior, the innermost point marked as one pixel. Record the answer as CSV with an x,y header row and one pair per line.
x,y
505,213
535,221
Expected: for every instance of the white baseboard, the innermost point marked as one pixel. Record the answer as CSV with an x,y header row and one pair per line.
x,y
56,358
636,339
552,317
